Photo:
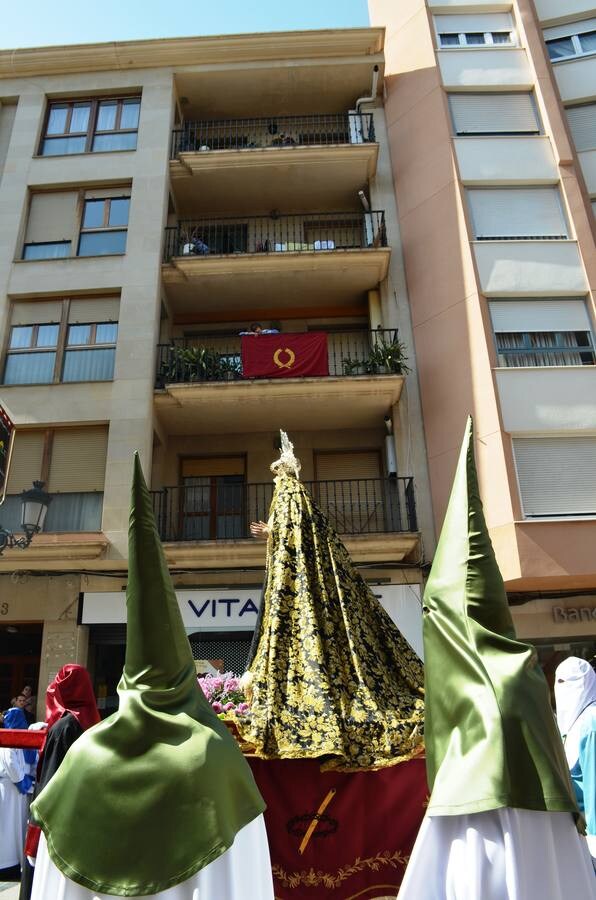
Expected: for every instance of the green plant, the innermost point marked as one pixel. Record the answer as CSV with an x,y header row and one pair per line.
x,y
202,364
384,356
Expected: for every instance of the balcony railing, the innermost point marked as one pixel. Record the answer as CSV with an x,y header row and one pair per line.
x,y
206,357
215,509
276,233
275,131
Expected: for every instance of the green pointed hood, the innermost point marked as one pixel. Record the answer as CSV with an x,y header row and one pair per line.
x,y
491,738
158,790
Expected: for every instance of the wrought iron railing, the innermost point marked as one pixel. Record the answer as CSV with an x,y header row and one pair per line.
x,y
274,131
276,233
205,357
221,509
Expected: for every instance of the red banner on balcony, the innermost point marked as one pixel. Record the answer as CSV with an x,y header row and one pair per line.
x,y
6,438
285,355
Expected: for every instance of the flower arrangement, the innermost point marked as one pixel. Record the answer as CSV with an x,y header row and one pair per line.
x,y
224,694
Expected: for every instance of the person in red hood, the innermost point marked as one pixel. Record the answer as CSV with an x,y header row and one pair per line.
x,y
70,710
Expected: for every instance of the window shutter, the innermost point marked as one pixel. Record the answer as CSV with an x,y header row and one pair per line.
x,y
560,31
122,190
36,313
94,310
211,467
557,476
494,114
340,466
539,315
582,122
52,217
78,460
517,213
25,466
491,22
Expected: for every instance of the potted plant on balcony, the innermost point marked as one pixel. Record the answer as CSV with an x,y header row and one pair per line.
x,y
203,364
385,357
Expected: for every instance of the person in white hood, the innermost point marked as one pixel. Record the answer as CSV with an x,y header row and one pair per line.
x,y
575,696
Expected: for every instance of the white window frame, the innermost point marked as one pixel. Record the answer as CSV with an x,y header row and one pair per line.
x,y
579,50
488,39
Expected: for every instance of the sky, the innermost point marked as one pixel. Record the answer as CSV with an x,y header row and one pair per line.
x,y
36,23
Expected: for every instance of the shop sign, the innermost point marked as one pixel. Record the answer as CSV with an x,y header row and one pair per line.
x,y
219,609
574,614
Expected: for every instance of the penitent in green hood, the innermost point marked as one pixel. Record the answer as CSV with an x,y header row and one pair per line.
x,y
158,790
491,737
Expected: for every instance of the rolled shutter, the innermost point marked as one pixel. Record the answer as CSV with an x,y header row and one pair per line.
x,y
539,315
459,24
78,460
94,310
561,31
340,466
27,454
494,114
122,190
210,467
36,313
517,213
582,122
557,476
52,217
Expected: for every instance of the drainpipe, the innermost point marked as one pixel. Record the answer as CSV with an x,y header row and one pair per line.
x,y
373,90
359,125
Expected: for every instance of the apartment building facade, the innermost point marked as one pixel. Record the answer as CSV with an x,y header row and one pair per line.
x,y
156,198
491,116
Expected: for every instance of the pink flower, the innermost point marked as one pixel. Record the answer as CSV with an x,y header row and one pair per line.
x,y
217,707
228,707
242,708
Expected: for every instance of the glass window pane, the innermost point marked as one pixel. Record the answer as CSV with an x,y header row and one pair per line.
x,y
588,42
106,333
119,211
475,37
101,243
75,512
20,337
501,37
63,146
103,143
57,250
47,335
106,117
130,114
449,40
89,365
78,334
57,118
560,48
93,215
29,368
80,117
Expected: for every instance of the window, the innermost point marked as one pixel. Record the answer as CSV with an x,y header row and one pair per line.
x,y
582,122
542,332
49,352
557,476
91,126
53,223
490,113
569,41
475,31
511,214
213,499
71,462
104,226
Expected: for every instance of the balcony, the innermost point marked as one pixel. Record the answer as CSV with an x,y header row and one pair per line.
x,y
258,164
364,511
318,259
201,386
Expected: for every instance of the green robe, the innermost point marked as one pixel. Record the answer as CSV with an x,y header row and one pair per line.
x,y
491,737
158,790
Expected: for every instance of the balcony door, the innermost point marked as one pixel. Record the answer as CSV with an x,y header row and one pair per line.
x,y
212,504
350,490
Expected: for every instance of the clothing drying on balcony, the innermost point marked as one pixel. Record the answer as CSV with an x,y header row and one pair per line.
x,y
330,675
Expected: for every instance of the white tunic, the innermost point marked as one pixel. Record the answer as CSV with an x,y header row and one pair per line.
x,y
13,808
242,873
504,854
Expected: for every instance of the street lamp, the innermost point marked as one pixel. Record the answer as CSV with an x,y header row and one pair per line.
x,y
34,506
